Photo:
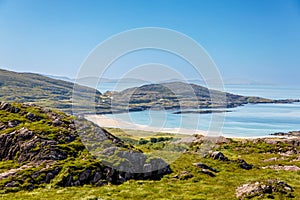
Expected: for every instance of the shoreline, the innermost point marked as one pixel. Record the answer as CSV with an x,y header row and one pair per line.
x,y
107,122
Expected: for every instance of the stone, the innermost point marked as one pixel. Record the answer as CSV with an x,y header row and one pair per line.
x,y
13,123
205,171
284,167
97,177
244,165
217,155
204,166
4,106
263,189
185,175
57,122
76,183
49,176
84,175
69,180
31,116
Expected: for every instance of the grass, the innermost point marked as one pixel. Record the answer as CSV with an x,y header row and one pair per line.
x,y
194,185
199,186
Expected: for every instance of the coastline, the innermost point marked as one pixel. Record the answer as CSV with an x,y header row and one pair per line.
x,y
104,121
108,122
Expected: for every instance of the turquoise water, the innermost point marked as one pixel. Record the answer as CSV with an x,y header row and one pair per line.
x,y
245,121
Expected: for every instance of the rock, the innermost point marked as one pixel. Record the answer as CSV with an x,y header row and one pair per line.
x,y
121,179
244,165
13,123
11,184
101,183
49,176
5,106
97,177
31,116
185,175
289,134
204,166
284,167
8,107
217,155
57,122
84,175
69,180
264,189
76,183
176,176
25,134
47,148
273,159
205,171
2,126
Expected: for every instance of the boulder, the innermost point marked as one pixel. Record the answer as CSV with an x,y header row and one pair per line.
x,y
206,167
244,165
266,189
217,155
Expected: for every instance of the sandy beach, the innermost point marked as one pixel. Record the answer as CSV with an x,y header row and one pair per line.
x,y
105,121
109,122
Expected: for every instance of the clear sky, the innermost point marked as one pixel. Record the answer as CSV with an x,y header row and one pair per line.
x,y
248,39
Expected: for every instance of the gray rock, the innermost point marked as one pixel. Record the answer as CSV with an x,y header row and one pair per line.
x,y
244,165
264,189
205,171
13,123
49,176
31,116
204,166
217,155
97,177
57,122
84,175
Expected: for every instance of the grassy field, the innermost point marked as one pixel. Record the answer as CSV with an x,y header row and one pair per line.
x,y
187,181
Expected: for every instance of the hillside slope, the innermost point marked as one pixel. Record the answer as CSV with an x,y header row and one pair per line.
x,y
41,147
178,95
41,90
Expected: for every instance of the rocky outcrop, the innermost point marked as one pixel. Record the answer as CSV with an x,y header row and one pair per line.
x,y
52,148
267,189
290,134
283,167
206,169
217,155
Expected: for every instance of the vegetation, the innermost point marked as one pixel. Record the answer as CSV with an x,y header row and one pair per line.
x,y
41,90
188,181
41,148
67,97
177,95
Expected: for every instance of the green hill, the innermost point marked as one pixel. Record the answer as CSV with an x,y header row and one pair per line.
x,y
41,90
42,148
178,95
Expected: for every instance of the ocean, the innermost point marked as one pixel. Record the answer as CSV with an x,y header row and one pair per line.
x,y
251,120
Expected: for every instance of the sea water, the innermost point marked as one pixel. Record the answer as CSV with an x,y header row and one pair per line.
x,y
250,120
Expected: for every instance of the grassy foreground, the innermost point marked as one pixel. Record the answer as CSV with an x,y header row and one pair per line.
x,y
187,181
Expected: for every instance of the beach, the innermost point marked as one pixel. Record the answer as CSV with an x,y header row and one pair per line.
x,y
109,122
104,121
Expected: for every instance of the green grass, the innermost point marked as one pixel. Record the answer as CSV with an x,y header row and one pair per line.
x,y
180,157
200,186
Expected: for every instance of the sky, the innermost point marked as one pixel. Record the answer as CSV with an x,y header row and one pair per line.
x,y
254,40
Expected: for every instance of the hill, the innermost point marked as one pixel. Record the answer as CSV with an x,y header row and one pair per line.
x,y
42,147
178,95
41,90
58,94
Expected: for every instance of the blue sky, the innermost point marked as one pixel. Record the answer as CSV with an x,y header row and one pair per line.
x,y
256,40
